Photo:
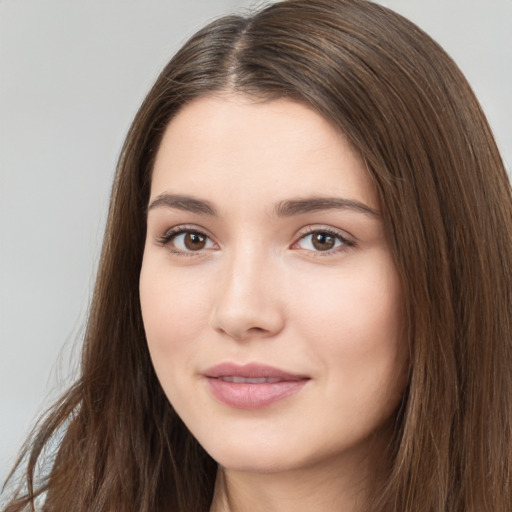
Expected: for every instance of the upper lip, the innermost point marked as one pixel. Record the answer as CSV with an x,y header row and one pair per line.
x,y
252,370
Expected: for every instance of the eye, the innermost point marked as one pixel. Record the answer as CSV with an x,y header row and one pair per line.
x,y
182,240
322,240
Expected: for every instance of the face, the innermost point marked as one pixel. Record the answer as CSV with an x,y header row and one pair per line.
x,y
270,300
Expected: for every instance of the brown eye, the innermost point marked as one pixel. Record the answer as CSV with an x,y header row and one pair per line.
x,y
323,241
183,242
194,241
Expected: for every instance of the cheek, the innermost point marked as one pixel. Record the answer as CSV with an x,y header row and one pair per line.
x,y
356,332
363,304
174,311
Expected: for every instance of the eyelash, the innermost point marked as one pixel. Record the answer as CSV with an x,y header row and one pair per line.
x,y
166,239
346,243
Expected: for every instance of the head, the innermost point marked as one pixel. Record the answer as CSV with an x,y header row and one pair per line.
x,y
409,116
266,257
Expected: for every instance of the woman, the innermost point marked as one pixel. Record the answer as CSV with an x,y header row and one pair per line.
x,y
303,300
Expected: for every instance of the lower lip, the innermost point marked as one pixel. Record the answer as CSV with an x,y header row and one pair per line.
x,y
253,396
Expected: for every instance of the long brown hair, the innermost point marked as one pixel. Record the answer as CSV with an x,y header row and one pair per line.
x,y
447,210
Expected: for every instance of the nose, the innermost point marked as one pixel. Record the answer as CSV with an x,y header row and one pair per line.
x,y
249,302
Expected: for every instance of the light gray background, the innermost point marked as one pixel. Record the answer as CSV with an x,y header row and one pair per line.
x,y
72,75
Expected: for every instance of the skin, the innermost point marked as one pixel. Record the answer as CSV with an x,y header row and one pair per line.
x,y
257,289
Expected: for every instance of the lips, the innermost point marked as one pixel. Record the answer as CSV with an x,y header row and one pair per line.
x,y
252,386
249,380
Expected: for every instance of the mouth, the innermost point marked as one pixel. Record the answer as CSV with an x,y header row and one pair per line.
x,y
249,380
252,386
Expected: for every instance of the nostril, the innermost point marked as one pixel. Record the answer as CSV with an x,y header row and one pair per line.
x,y
257,330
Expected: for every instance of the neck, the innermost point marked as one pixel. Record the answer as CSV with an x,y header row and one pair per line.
x,y
329,488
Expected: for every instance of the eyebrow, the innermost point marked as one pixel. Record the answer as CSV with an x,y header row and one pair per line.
x,y
287,208
184,203
311,204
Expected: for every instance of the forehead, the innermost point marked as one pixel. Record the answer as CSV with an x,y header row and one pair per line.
x,y
238,146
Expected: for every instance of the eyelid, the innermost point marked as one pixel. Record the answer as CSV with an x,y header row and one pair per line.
x,y
348,241
171,233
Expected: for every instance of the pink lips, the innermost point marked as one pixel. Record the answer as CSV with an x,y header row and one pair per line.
x,y
252,386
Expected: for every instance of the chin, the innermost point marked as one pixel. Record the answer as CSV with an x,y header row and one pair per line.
x,y
256,464
254,457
